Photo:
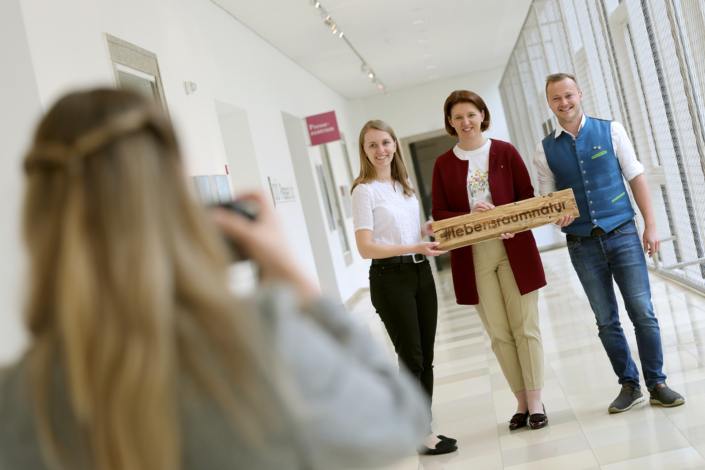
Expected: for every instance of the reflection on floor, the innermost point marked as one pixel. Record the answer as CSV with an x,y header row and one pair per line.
x,y
473,403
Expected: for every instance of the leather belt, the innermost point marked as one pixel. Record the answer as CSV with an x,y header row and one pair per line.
x,y
596,232
415,258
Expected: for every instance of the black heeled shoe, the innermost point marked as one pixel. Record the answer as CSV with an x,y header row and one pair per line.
x,y
538,420
447,439
518,421
443,447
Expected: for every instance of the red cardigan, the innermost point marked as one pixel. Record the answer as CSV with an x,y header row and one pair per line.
x,y
509,182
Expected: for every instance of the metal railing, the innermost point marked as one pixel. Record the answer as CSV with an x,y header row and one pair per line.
x,y
639,62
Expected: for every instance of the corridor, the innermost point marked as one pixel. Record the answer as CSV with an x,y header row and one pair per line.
x,y
473,402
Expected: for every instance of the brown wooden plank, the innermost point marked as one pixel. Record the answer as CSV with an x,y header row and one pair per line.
x,y
511,218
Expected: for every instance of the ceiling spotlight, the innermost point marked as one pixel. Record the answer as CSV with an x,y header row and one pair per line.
x,y
318,4
335,31
380,86
327,17
333,27
386,94
371,75
341,34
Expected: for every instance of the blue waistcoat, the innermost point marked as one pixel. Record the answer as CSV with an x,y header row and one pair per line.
x,y
590,167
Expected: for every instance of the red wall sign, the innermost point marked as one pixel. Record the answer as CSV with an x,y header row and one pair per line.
x,y
323,128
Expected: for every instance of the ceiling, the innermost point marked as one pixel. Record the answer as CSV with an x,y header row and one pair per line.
x,y
406,42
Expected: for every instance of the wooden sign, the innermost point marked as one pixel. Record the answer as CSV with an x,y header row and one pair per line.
x,y
511,218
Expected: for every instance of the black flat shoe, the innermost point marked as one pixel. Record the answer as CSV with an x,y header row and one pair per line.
x,y
538,420
443,447
518,421
447,439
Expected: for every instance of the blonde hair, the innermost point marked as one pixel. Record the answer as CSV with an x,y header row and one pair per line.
x,y
127,287
367,170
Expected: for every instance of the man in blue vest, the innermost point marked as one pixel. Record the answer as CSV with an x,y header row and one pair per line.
x,y
592,156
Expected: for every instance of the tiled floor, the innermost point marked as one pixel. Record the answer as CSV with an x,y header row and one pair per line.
x,y
473,403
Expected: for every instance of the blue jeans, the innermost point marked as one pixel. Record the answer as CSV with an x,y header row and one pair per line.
x,y
619,255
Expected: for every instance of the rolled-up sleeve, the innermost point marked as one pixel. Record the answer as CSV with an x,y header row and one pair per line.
x,y
624,150
547,180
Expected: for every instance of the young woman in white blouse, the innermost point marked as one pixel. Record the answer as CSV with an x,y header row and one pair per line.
x,y
388,231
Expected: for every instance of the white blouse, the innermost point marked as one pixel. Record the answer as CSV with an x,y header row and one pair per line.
x,y
392,216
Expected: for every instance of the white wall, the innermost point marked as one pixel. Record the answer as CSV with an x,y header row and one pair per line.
x,y
20,107
239,149
420,109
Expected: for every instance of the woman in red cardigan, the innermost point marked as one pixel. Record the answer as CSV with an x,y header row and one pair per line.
x,y
501,277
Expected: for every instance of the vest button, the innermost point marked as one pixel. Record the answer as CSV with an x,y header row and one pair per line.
x,y
588,192
590,202
586,183
593,212
584,171
581,161
594,220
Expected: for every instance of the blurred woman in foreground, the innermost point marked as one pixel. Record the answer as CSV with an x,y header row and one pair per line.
x,y
140,358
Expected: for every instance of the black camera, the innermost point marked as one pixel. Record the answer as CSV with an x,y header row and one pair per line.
x,y
242,206
245,208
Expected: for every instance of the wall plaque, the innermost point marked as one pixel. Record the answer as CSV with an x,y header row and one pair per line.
x,y
323,128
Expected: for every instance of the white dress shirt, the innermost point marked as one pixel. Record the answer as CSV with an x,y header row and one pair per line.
x,y
621,144
392,216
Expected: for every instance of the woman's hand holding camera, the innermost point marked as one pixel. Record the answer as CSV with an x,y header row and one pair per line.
x,y
262,240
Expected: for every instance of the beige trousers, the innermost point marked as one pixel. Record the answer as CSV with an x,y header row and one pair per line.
x,y
511,319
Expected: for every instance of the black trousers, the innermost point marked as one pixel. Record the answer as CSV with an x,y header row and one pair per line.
x,y
404,296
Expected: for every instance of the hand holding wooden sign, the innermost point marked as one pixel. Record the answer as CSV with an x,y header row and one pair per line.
x,y
511,218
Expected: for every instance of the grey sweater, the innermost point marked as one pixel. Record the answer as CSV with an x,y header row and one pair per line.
x,y
354,410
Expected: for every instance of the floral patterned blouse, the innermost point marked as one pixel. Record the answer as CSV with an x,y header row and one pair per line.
x,y
478,185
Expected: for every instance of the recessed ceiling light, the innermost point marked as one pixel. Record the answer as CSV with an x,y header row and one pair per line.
x,y
341,34
419,21
380,86
371,75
